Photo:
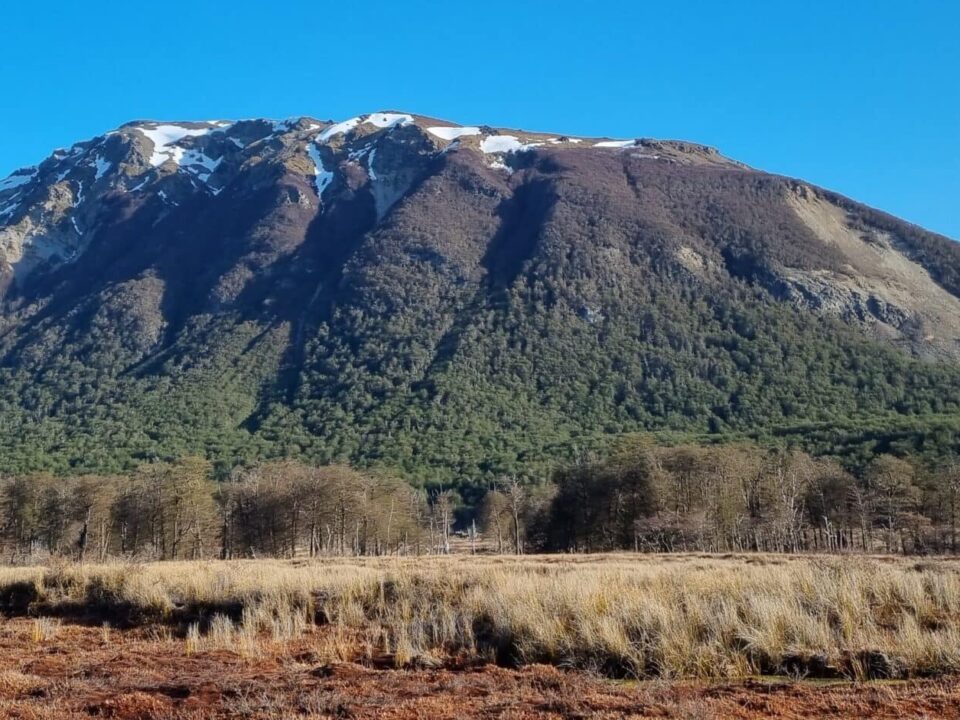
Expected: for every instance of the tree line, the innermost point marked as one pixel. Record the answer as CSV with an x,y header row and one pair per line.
x,y
175,510
733,498
641,497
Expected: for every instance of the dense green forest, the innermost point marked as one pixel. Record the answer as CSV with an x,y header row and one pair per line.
x,y
529,386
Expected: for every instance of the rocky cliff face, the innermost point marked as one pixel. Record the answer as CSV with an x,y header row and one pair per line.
x,y
392,285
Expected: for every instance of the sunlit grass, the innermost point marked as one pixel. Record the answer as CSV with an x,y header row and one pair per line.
x,y
619,615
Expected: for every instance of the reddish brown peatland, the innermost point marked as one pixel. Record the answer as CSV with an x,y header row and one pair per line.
x,y
60,671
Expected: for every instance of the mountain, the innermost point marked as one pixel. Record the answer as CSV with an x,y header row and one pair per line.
x,y
454,302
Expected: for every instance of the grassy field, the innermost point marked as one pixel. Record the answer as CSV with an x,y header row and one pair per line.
x,y
618,616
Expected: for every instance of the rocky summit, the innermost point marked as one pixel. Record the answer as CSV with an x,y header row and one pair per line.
x,y
455,302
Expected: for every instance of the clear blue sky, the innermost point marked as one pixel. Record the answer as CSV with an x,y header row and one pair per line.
x,y
861,97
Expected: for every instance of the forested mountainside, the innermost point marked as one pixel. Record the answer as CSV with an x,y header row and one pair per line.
x,y
457,303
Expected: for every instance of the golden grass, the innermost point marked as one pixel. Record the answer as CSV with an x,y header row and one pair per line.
x,y
44,629
669,616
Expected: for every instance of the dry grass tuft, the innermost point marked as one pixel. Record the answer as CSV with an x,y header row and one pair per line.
x,y
44,629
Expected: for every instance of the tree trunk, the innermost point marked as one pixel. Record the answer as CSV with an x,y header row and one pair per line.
x,y
84,534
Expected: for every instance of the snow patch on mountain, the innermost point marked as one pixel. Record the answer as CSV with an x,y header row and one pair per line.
x,y
162,194
360,153
321,176
18,178
378,120
75,149
165,139
340,128
615,143
102,167
452,133
389,120
9,209
505,144
283,126
199,164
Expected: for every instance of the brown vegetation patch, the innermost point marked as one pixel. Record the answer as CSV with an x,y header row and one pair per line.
x,y
134,674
